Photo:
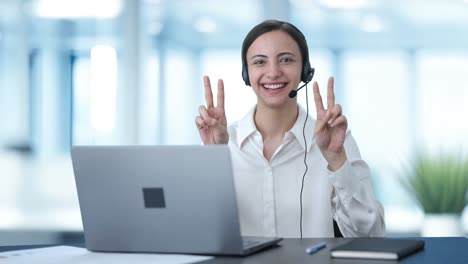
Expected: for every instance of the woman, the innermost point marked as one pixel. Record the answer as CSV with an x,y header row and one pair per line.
x,y
271,144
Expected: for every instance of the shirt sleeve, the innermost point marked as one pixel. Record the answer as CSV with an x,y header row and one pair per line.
x,y
357,211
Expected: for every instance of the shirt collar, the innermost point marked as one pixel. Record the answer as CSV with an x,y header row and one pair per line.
x,y
247,127
297,129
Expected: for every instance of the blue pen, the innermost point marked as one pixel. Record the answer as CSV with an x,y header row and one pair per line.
x,y
315,248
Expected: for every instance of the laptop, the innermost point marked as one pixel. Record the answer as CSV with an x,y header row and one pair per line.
x,y
164,199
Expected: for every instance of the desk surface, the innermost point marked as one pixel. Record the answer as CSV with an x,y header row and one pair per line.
x,y
437,250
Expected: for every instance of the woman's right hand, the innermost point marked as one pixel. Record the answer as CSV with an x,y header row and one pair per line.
x,y
211,122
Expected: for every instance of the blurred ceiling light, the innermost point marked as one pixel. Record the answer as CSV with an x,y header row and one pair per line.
x,y
372,24
76,8
205,24
349,4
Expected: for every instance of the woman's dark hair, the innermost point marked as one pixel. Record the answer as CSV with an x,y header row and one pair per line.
x,y
271,25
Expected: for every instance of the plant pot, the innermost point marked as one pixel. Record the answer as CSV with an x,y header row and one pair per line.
x,y
442,225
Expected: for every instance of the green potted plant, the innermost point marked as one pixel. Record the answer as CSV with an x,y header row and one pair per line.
x,y
439,185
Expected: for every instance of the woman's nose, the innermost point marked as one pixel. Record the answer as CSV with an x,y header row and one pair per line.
x,y
273,71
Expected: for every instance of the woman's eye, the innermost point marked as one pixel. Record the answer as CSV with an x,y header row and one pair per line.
x,y
286,60
259,62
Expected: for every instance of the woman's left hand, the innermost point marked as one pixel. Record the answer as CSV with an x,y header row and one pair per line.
x,y
330,128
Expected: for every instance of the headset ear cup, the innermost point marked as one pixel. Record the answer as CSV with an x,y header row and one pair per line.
x,y
311,74
245,75
307,72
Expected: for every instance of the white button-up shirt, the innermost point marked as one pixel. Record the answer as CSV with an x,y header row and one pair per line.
x,y
268,192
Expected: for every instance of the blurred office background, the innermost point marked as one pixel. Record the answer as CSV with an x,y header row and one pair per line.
x,y
130,72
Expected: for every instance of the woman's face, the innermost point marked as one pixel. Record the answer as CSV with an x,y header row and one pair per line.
x,y
274,64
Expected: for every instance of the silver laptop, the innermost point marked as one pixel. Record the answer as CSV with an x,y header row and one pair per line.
x,y
168,199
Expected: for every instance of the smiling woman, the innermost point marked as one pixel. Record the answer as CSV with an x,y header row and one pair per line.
x,y
269,147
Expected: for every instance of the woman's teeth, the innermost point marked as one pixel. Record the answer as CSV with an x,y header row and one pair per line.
x,y
273,86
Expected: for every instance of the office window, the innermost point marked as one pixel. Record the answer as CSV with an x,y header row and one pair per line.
x,y
378,110
50,102
149,108
443,97
94,96
180,98
81,129
103,88
14,91
4,83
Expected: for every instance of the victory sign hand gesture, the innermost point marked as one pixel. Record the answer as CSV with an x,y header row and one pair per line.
x,y
211,122
330,128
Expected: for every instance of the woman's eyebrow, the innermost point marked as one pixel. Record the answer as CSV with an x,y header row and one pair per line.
x,y
258,55
279,55
286,53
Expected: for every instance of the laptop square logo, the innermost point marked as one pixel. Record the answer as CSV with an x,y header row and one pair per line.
x,y
154,198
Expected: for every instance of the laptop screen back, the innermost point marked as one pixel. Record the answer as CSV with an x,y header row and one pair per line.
x,y
174,199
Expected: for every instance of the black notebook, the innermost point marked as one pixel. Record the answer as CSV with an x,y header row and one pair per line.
x,y
377,248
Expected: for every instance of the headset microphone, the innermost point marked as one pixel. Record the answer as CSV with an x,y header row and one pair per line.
x,y
293,93
310,75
